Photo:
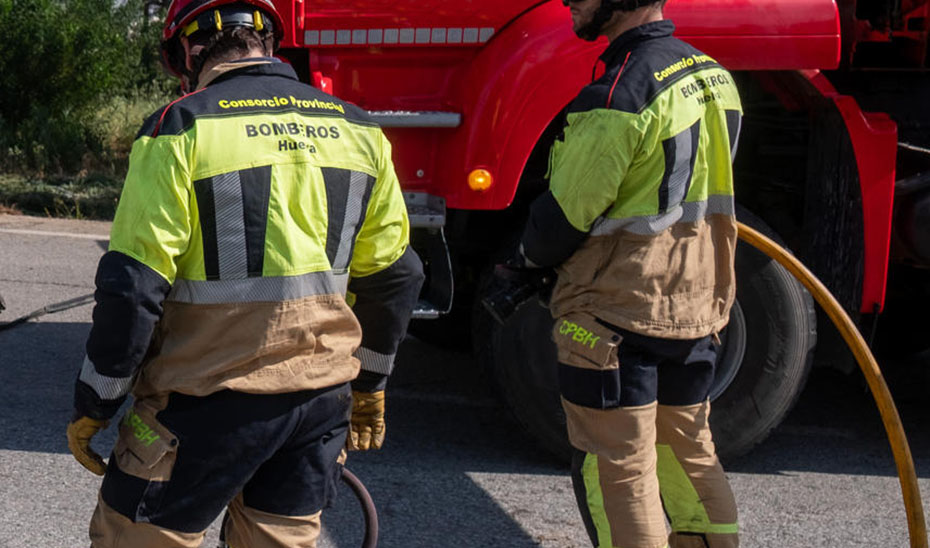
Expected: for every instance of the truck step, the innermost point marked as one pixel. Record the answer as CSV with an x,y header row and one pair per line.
x,y
412,118
427,215
425,310
425,210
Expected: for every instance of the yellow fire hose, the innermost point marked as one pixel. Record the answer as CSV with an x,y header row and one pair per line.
x,y
873,375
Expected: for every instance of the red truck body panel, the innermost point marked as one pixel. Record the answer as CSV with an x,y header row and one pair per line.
x,y
520,65
874,138
508,66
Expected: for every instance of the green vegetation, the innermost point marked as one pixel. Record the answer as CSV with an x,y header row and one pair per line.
x,y
90,197
79,77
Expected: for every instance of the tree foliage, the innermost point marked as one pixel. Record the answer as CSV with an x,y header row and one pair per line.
x,y
63,63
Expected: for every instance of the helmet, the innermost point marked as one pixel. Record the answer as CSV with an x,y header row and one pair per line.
x,y
185,17
606,10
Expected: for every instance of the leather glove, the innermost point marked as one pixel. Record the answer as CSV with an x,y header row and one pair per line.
x,y
80,433
366,427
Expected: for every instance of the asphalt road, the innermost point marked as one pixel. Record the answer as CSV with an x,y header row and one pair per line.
x,y
455,470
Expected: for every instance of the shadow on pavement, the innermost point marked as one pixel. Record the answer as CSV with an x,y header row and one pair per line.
x,y
835,428
38,365
438,438
448,438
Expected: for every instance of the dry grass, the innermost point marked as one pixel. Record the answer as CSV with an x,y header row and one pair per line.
x,y
7,210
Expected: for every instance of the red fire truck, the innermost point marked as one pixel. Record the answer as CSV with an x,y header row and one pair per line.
x,y
832,162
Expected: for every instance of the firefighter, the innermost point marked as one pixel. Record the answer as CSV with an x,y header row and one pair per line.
x,y
258,261
639,220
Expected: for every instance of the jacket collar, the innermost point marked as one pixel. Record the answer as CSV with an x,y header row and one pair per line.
x,y
627,41
267,66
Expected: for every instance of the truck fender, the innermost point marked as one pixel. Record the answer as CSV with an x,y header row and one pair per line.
x,y
874,138
527,73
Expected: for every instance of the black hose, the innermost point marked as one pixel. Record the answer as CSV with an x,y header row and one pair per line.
x,y
368,508
49,309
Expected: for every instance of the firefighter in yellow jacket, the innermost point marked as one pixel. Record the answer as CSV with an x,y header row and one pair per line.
x,y
258,261
640,223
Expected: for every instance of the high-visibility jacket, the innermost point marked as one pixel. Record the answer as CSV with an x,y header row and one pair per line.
x,y
640,213
250,209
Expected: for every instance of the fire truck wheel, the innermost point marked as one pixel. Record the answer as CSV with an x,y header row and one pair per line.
x,y
767,351
762,367
521,359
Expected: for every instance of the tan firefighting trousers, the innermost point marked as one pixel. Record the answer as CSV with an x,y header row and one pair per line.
x,y
247,528
638,458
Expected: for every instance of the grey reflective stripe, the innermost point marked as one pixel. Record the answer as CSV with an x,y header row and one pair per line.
x,y
108,388
734,125
230,227
358,183
688,212
249,290
342,283
375,361
680,153
353,215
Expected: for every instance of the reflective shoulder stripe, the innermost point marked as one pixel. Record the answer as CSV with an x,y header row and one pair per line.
x,y
347,196
247,290
375,361
688,212
108,388
233,214
734,125
680,154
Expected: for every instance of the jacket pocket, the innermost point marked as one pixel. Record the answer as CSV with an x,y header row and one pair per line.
x,y
589,366
583,342
145,448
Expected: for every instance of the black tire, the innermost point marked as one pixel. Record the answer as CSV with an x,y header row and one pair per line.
x,y
770,342
521,359
763,364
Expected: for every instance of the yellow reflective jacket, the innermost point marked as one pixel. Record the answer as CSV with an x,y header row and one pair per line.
x,y
250,208
640,214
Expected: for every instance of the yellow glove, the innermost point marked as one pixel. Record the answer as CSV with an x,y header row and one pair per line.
x,y
366,427
80,433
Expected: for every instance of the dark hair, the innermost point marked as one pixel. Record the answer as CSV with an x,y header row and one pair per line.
x,y
228,44
633,5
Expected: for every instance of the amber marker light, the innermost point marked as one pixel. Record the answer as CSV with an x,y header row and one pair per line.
x,y
480,180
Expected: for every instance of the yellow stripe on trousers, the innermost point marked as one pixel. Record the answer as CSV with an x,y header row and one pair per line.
x,y
681,500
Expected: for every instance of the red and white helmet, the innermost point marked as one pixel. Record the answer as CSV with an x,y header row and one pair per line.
x,y
185,17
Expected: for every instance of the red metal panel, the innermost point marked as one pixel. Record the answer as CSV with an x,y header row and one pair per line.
x,y
535,67
875,142
754,17
368,14
510,88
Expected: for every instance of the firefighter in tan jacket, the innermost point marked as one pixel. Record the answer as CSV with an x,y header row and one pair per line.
x,y
258,265
640,223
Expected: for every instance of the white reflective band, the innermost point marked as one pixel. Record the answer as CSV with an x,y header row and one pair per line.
x,y
358,185
342,283
688,212
230,226
250,290
108,388
404,36
375,361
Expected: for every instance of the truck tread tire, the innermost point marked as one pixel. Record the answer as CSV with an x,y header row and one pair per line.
x,y
772,338
780,335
